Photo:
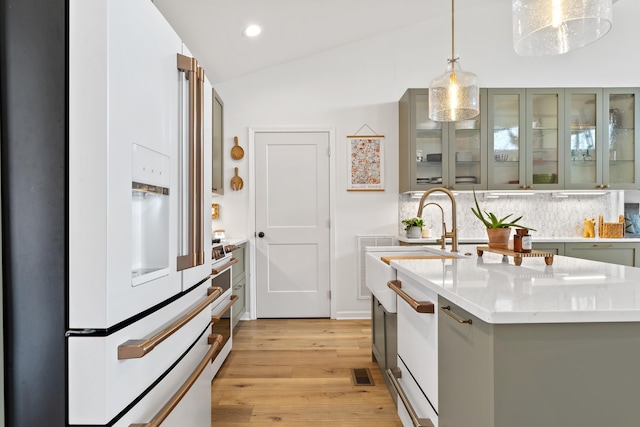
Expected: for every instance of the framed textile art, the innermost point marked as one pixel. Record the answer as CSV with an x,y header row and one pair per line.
x,y
366,163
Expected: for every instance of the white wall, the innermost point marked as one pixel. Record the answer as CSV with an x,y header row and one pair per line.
x,y
361,83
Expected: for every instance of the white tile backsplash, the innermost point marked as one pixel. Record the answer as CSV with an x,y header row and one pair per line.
x,y
550,216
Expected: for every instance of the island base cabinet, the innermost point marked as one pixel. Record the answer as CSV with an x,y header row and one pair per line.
x,y
528,375
384,348
464,370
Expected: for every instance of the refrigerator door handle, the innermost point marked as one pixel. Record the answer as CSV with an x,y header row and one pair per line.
x,y
135,349
165,411
194,255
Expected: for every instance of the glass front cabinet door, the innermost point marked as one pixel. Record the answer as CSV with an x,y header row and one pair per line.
x,y
525,126
620,111
506,119
602,153
583,136
438,154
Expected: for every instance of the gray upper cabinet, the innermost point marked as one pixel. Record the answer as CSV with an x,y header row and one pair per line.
x,y
601,152
217,181
525,139
437,154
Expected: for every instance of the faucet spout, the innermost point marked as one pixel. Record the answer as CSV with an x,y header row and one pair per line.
x,y
453,234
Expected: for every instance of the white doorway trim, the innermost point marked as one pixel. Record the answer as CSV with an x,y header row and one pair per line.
x,y
252,297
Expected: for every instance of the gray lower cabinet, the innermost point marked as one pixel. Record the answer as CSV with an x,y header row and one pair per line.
x,y
527,375
614,253
238,283
554,248
384,340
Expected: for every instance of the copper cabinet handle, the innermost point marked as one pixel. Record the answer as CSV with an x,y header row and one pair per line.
x,y
214,341
601,245
232,301
393,374
419,306
219,270
135,349
447,310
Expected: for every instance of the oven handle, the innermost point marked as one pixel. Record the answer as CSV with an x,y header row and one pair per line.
x,y
219,270
232,300
214,341
393,374
135,349
426,307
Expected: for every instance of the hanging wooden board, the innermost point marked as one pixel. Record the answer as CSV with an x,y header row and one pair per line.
x,y
236,151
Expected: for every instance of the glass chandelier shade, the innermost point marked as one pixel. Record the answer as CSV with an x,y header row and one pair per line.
x,y
454,95
554,27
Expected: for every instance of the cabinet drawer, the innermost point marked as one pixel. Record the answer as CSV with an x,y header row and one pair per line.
x,y
239,289
418,338
238,267
417,399
613,253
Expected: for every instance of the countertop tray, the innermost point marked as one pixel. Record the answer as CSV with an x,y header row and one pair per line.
x,y
517,256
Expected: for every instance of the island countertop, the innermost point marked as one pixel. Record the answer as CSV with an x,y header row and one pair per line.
x,y
571,290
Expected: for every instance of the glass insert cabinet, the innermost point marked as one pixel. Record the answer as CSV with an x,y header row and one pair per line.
x,y
440,154
524,139
601,138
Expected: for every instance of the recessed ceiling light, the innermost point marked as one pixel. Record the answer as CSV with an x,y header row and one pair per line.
x,y
252,30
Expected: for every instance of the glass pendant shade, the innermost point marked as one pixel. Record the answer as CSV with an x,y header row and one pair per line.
x,y
454,95
554,27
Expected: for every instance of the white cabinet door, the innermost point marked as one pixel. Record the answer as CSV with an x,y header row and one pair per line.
x,y
418,338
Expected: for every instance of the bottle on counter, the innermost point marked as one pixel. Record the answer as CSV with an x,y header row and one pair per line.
x,y
522,241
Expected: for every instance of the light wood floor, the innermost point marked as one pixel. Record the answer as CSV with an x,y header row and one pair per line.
x,y
297,372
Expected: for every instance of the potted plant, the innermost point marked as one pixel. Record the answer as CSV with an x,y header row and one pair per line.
x,y
413,227
498,229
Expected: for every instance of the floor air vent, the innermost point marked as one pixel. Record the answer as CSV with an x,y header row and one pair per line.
x,y
361,376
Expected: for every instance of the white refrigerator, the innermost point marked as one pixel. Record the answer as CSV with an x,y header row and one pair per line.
x,y
139,341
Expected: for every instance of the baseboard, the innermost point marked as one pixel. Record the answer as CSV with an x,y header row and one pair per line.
x,y
353,315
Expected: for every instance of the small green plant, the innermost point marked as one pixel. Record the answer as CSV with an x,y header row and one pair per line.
x,y
492,221
413,222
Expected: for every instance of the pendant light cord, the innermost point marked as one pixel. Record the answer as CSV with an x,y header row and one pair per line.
x,y
453,58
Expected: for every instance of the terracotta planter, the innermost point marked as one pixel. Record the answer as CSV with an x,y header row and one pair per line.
x,y
499,237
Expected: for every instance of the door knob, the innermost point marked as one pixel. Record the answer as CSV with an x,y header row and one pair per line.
x,y
261,234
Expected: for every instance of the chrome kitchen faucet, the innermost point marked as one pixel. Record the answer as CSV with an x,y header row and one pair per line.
x,y
453,234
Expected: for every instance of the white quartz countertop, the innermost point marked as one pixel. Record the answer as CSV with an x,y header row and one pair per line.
x,y
571,290
432,240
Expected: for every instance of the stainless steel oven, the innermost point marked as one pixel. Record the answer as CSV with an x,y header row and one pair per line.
x,y
221,262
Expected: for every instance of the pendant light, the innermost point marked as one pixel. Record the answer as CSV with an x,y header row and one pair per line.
x,y
454,95
554,27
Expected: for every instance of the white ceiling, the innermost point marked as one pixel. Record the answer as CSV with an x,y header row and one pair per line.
x,y
292,29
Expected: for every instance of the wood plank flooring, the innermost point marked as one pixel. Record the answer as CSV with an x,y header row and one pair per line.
x,y
297,372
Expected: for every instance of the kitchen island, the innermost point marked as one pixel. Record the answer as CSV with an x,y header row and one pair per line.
x,y
536,344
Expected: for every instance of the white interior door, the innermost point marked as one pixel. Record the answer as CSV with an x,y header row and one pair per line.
x,y
292,224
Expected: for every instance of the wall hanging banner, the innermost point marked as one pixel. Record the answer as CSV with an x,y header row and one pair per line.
x,y
366,163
